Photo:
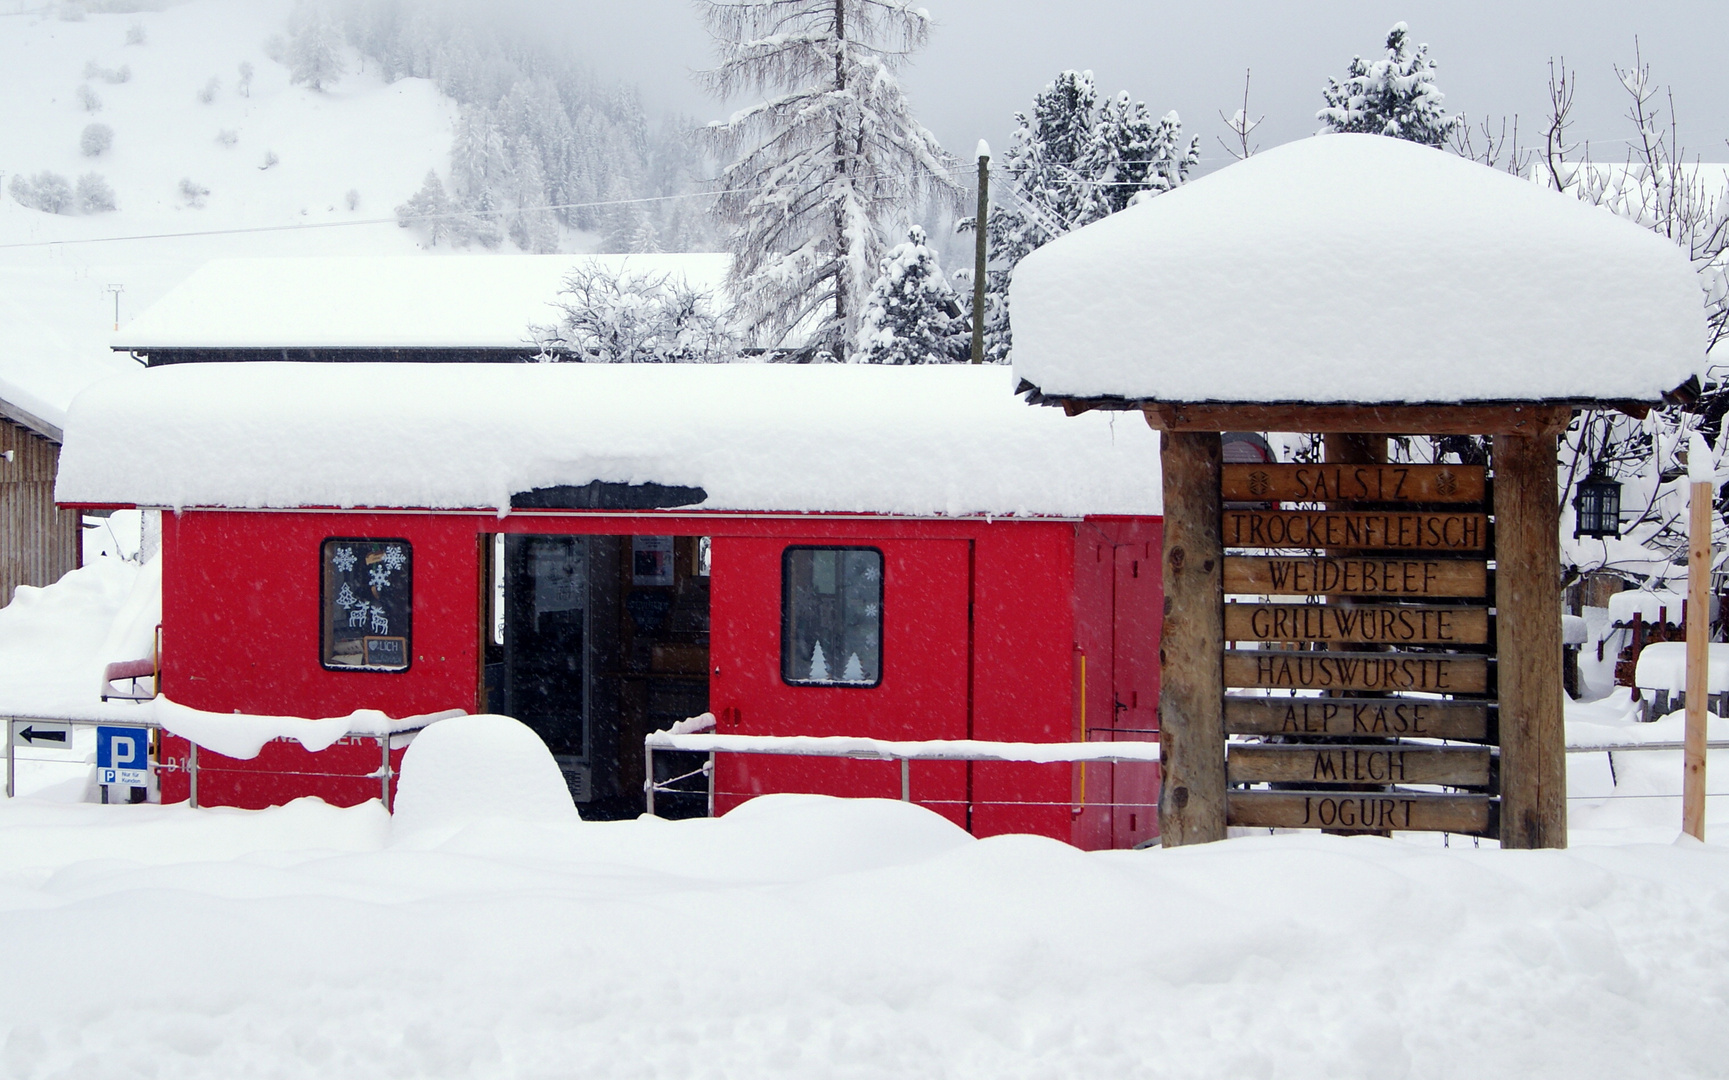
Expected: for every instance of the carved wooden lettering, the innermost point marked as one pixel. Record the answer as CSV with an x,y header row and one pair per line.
x,y
1432,673
1340,764
1430,578
1368,812
1381,624
1386,531
1416,717
1353,483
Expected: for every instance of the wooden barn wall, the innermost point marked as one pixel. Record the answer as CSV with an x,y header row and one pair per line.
x,y
38,541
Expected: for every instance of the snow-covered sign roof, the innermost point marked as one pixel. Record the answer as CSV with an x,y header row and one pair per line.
x,y
1359,269
382,302
934,440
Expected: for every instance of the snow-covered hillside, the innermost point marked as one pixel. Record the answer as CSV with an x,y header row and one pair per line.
x,y
359,135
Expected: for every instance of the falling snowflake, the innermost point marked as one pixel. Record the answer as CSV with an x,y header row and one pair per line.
x,y
394,559
343,560
379,577
345,598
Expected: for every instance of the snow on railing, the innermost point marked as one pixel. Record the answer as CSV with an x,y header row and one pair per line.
x,y
696,735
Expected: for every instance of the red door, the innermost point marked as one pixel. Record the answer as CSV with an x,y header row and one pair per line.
x,y
915,687
1136,599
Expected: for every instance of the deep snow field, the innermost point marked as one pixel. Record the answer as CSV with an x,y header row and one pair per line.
x,y
359,135
487,936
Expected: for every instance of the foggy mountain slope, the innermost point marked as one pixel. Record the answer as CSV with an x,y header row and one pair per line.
x,y
308,166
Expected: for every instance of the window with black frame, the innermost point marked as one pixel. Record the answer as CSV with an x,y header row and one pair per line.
x,y
368,604
831,616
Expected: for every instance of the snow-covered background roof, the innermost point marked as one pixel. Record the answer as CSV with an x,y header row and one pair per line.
x,y
1358,268
382,301
919,441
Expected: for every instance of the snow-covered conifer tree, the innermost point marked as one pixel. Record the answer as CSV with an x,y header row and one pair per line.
x,y
1070,163
314,53
1395,95
427,209
908,318
824,162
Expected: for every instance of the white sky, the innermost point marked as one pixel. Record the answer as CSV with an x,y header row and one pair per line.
x,y
988,57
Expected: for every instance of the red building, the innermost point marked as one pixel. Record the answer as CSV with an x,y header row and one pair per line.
x,y
601,550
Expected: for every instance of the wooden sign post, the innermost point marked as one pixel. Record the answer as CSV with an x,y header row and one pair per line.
x,y
1393,638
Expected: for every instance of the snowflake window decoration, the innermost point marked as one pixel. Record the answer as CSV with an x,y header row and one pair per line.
x,y
393,558
378,577
343,559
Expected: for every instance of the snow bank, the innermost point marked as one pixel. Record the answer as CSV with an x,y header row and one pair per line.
x,y
240,735
383,301
1358,268
931,440
471,768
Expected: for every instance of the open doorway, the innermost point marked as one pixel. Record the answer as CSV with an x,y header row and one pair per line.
x,y
594,641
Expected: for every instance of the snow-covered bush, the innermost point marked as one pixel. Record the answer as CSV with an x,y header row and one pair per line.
x,y
46,191
135,34
634,318
207,92
94,196
88,99
269,162
93,70
276,48
352,199
911,315
227,137
71,11
192,193
244,84
1394,96
96,139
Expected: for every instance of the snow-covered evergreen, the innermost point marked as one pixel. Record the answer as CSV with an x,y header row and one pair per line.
x,y
910,317
636,318
1070,163
1394,96
314,53
823,163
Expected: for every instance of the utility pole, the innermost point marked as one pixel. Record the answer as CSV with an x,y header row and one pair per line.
x,y
116,290
979,253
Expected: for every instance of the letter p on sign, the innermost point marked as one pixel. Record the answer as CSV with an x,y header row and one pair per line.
x,y
122,756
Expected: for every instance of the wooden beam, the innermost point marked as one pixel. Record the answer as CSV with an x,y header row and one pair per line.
x,y
1425,718
1528,610
1400,763
1380,672
1354,483
1366,812
1383,530
1191,685
1358,624
1526,419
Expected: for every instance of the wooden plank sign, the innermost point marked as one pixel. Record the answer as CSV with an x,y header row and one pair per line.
x,y
1402,763
1353,483
1433,673
1390,530
1378,624
1366,812
1426,578
1427,718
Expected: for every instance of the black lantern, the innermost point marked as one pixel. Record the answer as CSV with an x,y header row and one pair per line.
x,y
1597,507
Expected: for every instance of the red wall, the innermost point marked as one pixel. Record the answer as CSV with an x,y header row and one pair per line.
x,y
241,621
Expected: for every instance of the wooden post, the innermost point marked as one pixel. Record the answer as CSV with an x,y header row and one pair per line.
x,y
1698,653
1528,613
1191,694
979,253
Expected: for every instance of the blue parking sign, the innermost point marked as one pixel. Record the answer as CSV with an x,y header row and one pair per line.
x,y
123,756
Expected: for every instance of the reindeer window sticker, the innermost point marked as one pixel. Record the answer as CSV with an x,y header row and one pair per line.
x,y
367,604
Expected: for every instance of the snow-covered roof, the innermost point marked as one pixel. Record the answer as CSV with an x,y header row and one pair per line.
x,y
384,301
1358,268
933,440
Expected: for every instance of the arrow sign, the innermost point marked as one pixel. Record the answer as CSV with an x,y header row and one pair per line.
x,y
36,734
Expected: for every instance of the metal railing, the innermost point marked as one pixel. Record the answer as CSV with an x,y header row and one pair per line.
x,y
841,746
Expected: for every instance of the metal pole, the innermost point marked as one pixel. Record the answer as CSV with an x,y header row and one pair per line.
x,y
192,770
11,762
648,777
978,356
906,780
384,769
